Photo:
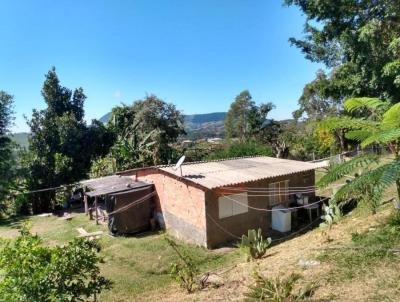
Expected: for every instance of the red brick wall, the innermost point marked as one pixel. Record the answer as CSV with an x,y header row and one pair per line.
x,y
182,206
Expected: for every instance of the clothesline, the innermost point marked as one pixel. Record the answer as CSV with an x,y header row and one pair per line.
x,y
273,210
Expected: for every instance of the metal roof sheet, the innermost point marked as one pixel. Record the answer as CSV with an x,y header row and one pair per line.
x,y
214,174
111,184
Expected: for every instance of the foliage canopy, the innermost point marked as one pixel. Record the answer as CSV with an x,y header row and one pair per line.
x,y
32,271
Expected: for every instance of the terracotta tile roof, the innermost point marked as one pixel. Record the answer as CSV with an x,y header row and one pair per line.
x,y
214,174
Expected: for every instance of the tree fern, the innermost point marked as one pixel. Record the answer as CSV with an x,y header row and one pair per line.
x,y
382,137
391,173
353,104
392,116
370,186
362,183
358,135
373,183
337,172
347,122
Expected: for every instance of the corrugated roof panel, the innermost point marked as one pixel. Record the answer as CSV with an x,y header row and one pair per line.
x,y
214,174
111,184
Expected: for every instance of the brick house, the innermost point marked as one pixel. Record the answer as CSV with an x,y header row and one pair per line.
x,y
212,196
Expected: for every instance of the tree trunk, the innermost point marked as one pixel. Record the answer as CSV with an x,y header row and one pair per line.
x,y
282,151
398,189
342,140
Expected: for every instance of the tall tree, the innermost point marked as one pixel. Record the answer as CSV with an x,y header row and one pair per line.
x,y
153,115
320,99
61,144
245,119
144,133
6,158
358,40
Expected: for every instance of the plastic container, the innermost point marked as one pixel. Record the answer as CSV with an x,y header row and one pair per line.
x,y
282,219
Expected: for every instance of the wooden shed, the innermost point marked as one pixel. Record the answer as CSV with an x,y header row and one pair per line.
x,y
128,204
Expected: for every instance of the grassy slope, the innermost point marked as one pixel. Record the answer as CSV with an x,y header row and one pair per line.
x,y
347,274
136,265
356,261
353,267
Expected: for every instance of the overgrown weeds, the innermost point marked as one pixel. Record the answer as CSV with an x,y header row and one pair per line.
x,y
279,289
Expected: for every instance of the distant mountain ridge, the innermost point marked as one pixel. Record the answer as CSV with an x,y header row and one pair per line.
x,y
20,138
197,125
204,125
189,118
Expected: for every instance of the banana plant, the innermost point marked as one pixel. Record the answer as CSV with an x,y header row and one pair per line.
x,y
132,148
254,245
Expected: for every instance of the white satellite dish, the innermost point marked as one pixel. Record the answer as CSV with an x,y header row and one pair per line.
x,y
179,164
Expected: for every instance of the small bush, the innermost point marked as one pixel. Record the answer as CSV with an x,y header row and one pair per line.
x,y
34,272
184,271
278,289
253,245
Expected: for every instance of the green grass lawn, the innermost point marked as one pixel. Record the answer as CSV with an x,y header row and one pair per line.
x,y
136,265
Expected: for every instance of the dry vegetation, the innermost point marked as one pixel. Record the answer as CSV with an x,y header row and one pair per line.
x,y
372,281
352,267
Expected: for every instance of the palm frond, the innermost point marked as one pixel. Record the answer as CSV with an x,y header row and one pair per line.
x,y
392,116
353,104
336,172
382,137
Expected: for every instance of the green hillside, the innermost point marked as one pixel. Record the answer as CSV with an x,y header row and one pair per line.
x,y
197,125
20,138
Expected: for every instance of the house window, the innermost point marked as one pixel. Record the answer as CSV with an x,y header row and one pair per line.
x,y
233,205
279,192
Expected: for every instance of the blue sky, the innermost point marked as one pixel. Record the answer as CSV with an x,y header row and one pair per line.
x,y
196,54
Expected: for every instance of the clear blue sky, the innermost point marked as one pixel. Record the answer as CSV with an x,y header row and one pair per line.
x,y
196,54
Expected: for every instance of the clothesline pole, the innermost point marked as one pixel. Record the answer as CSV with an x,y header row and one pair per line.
x,y
85,201
95,208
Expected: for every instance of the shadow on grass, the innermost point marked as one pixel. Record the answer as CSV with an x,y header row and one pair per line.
x,y
14,222
142,234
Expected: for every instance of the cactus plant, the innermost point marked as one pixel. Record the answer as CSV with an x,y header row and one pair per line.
x,y
254,245
331,215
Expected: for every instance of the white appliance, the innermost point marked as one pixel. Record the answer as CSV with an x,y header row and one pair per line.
x,y
281,219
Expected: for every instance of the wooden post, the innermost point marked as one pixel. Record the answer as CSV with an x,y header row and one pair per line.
x,y
95,208
85,201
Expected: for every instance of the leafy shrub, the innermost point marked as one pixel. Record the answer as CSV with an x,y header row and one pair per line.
x,y
278,289
184,271
254,245
34,272
103,166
